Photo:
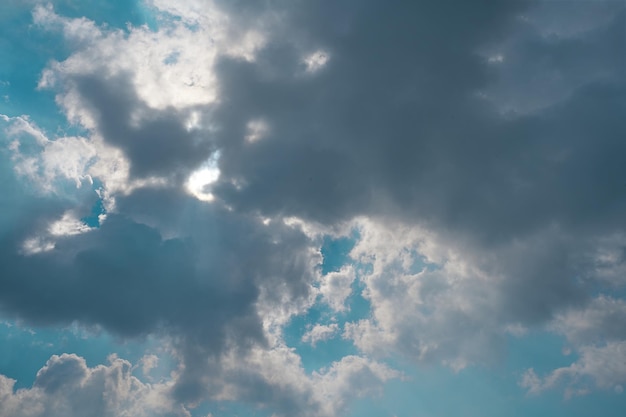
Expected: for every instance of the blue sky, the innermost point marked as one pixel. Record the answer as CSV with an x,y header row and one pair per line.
x,y
317,209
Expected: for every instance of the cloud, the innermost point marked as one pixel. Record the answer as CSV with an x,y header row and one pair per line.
x,y
352,377
398,129
438,299
336,287
320,332
545,54
601,320
148,362
598,367
479,159
597,334
67,386
200,290
141,92
44,162
275,378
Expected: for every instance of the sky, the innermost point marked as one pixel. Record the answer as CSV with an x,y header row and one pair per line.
x,y
315,208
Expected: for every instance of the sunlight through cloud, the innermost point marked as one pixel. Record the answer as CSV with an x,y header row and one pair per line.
x,y
200,180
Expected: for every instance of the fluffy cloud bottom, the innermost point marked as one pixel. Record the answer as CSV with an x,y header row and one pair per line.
x,y
66,386
272,379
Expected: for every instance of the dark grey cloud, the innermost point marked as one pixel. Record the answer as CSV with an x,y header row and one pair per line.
x,y
550,59
200,289
396,115
401,123
158,144
378,121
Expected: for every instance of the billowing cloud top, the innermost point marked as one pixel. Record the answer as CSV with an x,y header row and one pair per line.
x,y
418,184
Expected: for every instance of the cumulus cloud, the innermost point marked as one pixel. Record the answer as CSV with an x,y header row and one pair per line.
x,y
66,386
276,378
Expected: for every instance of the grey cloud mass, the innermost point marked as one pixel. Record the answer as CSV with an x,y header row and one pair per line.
x,y
158,145
398,122
396,116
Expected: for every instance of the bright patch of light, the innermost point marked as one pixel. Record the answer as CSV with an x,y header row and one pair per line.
x,y
200,180
193,122
316,61
36,245
257,129
68,225
246,46
496,59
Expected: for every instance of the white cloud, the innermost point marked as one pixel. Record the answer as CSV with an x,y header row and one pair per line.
x,y
602,319
316,61
170,67
336,287
351,377
44,240
320,332
68,225
439,299
148,363
193,12
67,387
160,80
278,373
35,245
257,129
597,335
601,367
47,163
444,311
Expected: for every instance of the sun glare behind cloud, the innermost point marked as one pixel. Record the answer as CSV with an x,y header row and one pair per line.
x,y
200,180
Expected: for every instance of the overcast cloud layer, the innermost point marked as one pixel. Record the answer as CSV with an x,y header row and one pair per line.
x,y
473,153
